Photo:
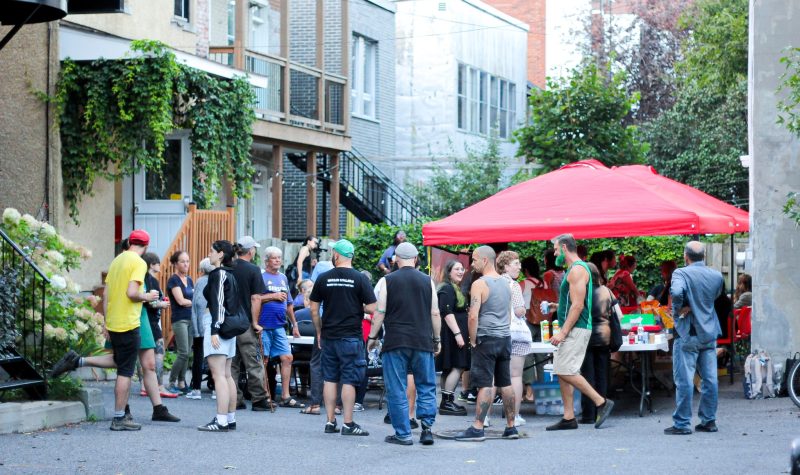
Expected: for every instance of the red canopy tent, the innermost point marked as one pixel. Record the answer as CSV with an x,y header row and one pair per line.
x,y
588,200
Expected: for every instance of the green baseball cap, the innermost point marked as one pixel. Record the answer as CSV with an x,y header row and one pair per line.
x,y
344,247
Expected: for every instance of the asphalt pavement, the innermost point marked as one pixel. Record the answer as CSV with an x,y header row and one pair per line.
x,y
754,438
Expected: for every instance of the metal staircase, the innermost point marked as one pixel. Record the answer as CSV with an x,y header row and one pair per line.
x,y
365,190
23,287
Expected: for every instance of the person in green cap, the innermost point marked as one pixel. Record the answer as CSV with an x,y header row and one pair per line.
x,y
346,295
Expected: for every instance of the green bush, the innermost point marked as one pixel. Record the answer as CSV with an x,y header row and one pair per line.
x,y
371,240
64,389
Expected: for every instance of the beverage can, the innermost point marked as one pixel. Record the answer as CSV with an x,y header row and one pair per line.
x,y
631,338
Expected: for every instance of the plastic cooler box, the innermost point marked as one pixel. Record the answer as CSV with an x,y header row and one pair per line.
x,y
549,401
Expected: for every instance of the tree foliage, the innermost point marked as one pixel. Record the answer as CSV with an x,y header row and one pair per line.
x,y
472,179
699,140
581,117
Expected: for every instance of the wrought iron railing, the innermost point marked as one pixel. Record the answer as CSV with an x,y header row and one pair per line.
x,y
22,308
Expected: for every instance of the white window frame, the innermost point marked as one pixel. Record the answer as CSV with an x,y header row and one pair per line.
x,y
363,77
186,10
485,103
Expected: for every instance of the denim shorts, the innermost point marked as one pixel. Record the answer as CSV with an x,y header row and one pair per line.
x,y
343,360
274,342
491,362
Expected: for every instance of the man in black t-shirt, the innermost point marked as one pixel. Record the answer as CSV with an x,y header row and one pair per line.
x,y
251,288
346,295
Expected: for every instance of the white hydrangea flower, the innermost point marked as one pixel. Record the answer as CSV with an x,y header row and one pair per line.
x,y
58,282
49,331
60,334
48,230
11,216
81,327
32,222
73,286
55,257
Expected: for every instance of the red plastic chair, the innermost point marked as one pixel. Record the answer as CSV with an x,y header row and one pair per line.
x,y
743,322
726,340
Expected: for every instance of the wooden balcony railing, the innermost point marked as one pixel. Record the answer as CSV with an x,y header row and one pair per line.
x,y
199,230
296,94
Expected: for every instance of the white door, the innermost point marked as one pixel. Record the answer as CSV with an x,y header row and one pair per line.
x,y
255,213
158,202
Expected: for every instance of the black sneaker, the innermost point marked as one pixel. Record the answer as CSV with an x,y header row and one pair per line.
x,y
511,433
68,362
603,411
331,428
232,425
387,419
161,413
393,439
470,397
413,423
672,430
353,429
709,426
426,437
241,406
564,424
463,396
471,435
213,426
498,400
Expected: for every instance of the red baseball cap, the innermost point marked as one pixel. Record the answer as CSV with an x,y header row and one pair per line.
x,y
139,237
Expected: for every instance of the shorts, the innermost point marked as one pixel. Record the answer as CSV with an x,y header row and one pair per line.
x,y
274,342
343,360
126,350
571,352
146,340
226,347
491,362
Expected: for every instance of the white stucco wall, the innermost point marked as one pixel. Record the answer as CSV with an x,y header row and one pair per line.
x,y
430,44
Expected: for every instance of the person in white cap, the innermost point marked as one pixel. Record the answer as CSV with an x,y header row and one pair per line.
x,y
251,289
409,310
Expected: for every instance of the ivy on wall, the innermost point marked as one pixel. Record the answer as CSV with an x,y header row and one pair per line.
x,y
789,115
114,116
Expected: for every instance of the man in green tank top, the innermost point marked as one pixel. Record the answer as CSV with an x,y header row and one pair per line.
x,y
574,316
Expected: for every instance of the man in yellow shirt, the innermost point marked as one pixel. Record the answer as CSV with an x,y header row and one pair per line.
x,y
123,308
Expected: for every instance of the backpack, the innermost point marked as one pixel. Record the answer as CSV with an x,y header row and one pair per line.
x,y
758,376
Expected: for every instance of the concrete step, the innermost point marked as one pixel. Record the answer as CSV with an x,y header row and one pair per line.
x,y
32,416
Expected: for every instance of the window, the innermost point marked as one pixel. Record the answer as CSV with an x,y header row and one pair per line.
x,y
503,125
363,72
493,102
473,99
462,96
167,184
512,107
182,9
483,111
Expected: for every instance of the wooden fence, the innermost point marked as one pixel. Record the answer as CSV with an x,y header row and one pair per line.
x,y
199,230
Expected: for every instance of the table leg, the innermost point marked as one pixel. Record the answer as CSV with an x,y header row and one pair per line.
x,y
643,396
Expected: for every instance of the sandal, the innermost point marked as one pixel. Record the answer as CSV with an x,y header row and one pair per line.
x,y
291,403
313,410
338,410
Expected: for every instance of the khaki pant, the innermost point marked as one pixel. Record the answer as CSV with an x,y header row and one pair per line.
x,y
247,351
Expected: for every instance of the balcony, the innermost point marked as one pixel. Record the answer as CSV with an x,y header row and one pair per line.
x,y
314,99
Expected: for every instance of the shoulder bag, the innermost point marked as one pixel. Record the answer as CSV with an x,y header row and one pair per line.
x,y
235,323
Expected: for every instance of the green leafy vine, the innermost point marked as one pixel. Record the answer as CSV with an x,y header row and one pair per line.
x,y
114,116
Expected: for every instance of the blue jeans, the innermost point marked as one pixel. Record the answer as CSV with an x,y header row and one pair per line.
x,y
396,366
689,354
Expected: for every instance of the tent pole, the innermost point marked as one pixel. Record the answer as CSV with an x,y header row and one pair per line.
x,y
732,272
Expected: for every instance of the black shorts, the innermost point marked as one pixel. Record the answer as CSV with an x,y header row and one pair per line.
x,y
126,350
491,362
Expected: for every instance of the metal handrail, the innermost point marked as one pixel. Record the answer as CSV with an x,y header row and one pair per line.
x,y
25,257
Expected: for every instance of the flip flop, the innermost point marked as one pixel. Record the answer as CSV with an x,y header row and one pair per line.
x,y
311,410
291,403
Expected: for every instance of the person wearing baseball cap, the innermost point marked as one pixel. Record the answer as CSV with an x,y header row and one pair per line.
x,y
346,295
251,294
408,309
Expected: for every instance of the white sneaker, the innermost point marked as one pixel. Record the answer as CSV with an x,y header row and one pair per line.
x,y
358,407
213,394
487,422
518,421
194,394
